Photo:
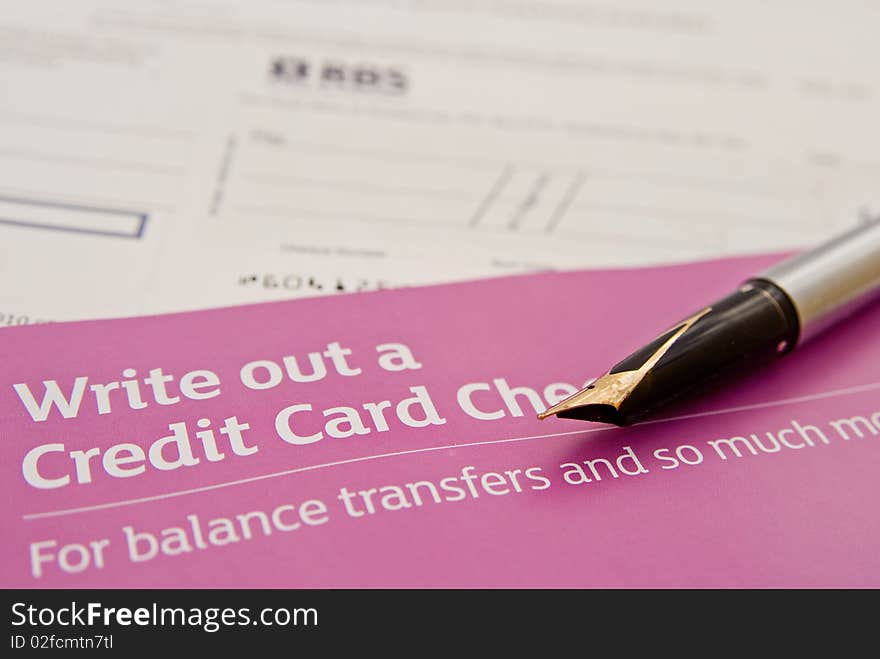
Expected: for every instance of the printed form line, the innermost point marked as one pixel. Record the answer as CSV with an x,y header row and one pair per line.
x,y
207,488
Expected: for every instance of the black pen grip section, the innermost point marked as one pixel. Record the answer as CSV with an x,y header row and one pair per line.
x,y
742,331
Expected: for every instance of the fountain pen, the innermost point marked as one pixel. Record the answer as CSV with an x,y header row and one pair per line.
x,y
767,317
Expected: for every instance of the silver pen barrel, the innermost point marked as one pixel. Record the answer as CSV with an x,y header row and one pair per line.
x,y
831,281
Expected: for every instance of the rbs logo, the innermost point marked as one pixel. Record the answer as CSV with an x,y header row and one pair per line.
x,y
339,75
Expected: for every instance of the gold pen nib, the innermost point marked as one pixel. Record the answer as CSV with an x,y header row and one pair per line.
x,y
598,401
601,400
582,397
